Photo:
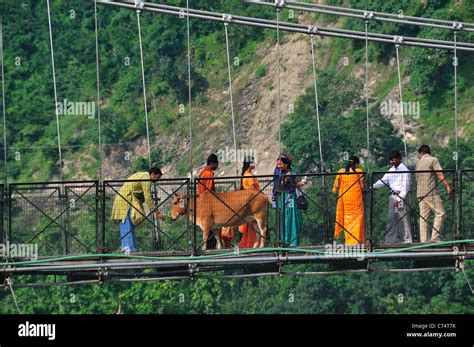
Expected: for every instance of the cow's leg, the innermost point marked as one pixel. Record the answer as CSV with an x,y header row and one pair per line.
x,y
217,235
205,236
260,240
258,233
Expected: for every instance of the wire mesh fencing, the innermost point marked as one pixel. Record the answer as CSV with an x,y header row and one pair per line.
x,y
381,209
466,205
137,216
60,218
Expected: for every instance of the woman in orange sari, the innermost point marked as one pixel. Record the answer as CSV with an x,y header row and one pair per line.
x,y
350,206
249,235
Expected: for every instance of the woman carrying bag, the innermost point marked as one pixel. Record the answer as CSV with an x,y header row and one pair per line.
x,y
285,195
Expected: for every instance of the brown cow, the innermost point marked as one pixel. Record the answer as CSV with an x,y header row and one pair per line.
x,y
212,211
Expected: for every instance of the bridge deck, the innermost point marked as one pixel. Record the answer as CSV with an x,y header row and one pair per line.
x,y
248,263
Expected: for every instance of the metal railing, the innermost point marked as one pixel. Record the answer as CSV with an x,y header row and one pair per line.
x,y
69,218
152,233
390,225
233,211
466,204
286,224
60,217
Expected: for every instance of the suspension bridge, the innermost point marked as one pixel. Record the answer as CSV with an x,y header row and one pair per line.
x,y
78,243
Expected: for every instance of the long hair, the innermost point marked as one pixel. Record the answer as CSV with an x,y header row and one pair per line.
x,y
286,159
351,164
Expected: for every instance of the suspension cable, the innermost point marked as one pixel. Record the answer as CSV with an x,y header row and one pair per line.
x,y
462,266
397,48
10,285
279,76
316,102
55,93
189,94
138,6
5,152
456,99
290,27
357,13
98,88
226,23
366,87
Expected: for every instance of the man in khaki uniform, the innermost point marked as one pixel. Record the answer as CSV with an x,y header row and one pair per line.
x,y
128,205
427,194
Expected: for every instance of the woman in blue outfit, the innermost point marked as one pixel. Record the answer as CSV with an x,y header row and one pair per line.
x,y
284,195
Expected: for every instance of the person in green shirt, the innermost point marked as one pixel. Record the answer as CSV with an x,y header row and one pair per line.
x,y
128,205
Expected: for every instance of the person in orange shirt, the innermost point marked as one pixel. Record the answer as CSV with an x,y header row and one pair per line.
x,y
247,181
350,205
208,185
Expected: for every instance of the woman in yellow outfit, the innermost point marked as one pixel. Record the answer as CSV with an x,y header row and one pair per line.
x,y
249,235
350,206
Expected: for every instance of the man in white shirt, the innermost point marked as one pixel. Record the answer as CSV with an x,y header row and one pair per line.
x,y
397,179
